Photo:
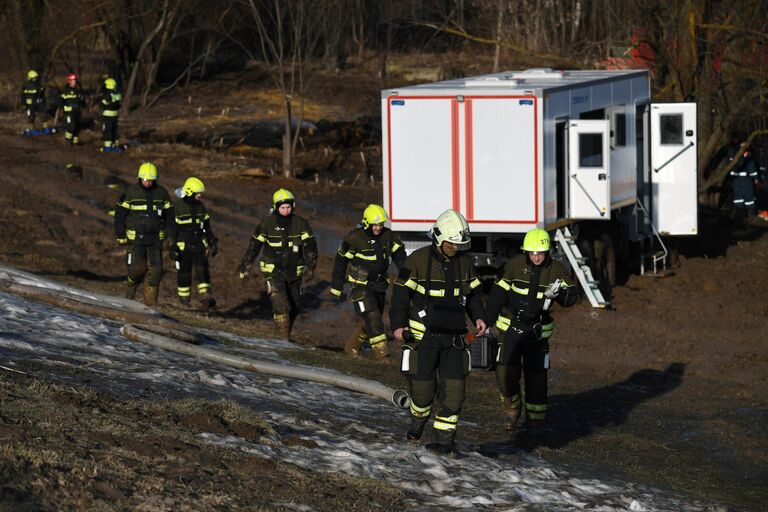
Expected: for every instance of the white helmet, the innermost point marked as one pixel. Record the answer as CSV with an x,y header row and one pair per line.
x,y
451,226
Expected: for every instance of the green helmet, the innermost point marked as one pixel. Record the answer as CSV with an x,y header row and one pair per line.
x,y
147,171
451,226
110,84
282,196
374,214
193,186
536,240
32,75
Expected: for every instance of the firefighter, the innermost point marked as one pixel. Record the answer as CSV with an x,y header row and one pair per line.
x,y
519,303
193,244
743,177
72,102
33,99
435,288
289,255
143,214
363,261
110,101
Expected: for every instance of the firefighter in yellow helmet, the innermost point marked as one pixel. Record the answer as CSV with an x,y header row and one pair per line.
x,y
33,100
288,255
193,244
143,215
519,304
435,290
363,261
110,101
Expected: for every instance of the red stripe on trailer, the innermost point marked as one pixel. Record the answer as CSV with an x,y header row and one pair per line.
x,y
455,185
468,150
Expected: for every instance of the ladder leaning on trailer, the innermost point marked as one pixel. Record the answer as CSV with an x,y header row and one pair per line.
x,y
581,268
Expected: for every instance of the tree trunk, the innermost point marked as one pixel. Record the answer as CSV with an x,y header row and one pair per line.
x,y
287,147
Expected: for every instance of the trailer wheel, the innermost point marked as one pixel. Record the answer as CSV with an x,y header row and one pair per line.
x,y
605,264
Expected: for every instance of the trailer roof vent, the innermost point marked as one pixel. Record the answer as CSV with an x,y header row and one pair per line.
x,y
539,73
494,80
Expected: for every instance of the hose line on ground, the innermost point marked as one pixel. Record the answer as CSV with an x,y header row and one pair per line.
x,y
144,334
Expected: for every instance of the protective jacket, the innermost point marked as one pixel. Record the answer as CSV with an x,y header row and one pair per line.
x,y
33,94
144,214
72,99
110,103
432,293
363,259
289,247
517,299
192,225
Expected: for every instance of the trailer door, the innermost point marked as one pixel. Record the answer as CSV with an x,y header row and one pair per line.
x,y
673,164
589,168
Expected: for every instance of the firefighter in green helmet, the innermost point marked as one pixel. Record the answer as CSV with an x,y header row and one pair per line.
x,y
363,261
110,101
143,216
34,102
288,255
519,304
436,289
193,244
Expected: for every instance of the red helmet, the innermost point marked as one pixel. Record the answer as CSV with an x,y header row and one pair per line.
x,y
71,77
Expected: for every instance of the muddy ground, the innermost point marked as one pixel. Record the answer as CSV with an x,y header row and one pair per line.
x,y
667,389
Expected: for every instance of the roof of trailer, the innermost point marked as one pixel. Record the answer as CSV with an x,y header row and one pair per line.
x,y
544,79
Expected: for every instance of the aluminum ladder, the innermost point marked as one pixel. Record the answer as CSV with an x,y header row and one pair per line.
x,y
580,267
658,258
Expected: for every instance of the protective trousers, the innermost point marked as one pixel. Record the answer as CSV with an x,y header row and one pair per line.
x,y
37,112
109,132
744,196
438,365
73,120
285,297
523,354
369,307
189,262
145,259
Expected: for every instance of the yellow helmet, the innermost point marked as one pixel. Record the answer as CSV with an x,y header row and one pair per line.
x,y
536,240
282,196
147,171
110,84
193,186
451,226
32,74
374,214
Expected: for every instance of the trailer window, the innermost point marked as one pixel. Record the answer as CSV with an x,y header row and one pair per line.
x,y
590,150
671,127
621,130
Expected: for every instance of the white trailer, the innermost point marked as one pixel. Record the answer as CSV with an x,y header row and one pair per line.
x,y
582,154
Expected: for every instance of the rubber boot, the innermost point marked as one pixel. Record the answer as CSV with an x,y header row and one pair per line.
x,y
415,429
381,350
443,441
352,346
511,413
150,295
130,288
282,327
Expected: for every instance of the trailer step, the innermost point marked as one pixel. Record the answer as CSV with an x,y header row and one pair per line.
x,y
580,268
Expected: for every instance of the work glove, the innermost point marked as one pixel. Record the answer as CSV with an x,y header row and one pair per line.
x,y
213,246
308,275
174,253
244,272
553,290
122,241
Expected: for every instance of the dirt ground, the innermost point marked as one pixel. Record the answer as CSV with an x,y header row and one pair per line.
x,y
667,389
